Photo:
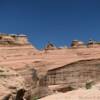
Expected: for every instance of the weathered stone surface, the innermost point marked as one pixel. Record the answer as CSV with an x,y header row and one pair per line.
x,y
25,67
76,74
10,82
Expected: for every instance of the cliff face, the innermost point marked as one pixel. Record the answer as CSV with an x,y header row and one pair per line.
x,y
76,74
53,59
25,67
70,67
17,72
15,69
16,56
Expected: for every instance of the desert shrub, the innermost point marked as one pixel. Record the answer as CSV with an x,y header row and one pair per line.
x,y
88,85
35,98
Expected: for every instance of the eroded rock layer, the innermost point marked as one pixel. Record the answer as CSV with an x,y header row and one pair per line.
x,y
23,67
76,74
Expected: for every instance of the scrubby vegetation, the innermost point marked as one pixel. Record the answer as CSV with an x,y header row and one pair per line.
x,y
89,85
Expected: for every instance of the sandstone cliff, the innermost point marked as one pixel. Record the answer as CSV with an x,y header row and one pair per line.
x,y
25,67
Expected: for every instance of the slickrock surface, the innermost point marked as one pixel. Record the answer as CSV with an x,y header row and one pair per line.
x,y
16,56
60,57
80,94
76,95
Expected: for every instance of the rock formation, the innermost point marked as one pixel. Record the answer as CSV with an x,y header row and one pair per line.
x,y
26,70
77,44
50,46
17,69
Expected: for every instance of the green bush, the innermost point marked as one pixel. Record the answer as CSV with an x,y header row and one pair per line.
x,y
88,85
35,98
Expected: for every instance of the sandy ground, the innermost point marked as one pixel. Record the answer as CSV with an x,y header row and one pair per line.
x,y
80,94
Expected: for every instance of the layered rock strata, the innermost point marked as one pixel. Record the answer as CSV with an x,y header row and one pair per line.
x,y
23,67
